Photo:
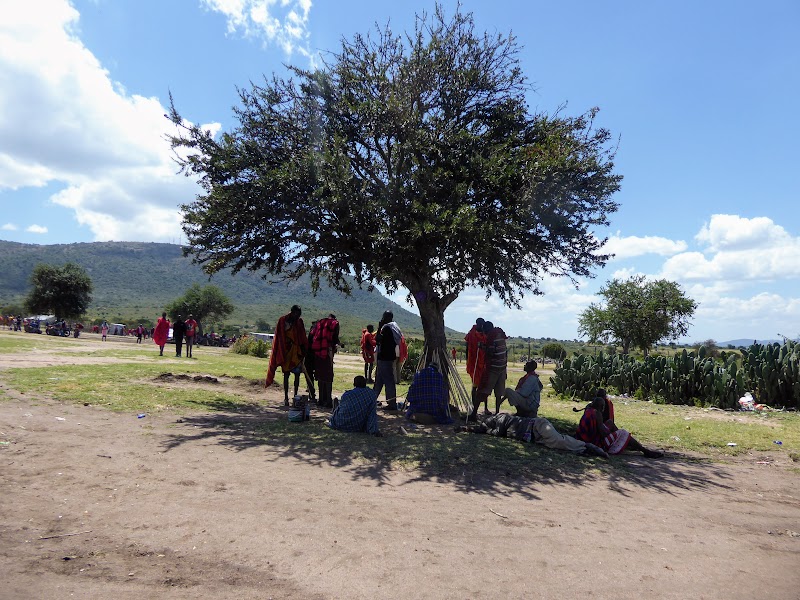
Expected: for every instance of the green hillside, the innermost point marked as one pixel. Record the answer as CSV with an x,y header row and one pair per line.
x,y
133,281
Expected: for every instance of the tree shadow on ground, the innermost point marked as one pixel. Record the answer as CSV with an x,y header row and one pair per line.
x,y
471,463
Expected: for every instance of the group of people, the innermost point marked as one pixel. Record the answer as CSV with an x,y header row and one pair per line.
x,y
427,401
181,331
310,353
383,350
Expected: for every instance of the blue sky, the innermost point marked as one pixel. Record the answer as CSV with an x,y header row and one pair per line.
x,y
702,95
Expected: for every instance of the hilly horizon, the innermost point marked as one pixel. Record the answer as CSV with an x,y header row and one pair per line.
x,y
134,281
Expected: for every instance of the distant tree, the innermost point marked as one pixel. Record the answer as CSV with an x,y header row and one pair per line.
x,y
712,350
12,309
638,313
262,325
64,291
554,351
405,160
207,303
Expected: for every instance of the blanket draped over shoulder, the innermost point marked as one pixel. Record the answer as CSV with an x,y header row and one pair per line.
x,y
161,332
287,350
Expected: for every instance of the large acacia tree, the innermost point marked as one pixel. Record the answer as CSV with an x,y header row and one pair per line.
x,y
408,160
638,313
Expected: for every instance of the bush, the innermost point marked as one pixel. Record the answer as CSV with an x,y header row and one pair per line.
x,y
410,366
252,346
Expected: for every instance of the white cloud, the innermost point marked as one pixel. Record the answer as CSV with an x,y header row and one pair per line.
x,y
36,229
738,249
721,315
632,246
735,233
284,23
62,119
9,227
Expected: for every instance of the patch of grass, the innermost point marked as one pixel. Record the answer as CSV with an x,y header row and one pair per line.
x,y
24,342
128,385
697,429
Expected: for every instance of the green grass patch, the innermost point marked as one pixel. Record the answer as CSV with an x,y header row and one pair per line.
x,y
131,385
689,428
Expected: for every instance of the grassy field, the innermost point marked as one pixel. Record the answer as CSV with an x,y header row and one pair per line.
x,y
123,376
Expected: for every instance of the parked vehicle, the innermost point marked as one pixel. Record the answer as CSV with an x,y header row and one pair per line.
x,y
32,326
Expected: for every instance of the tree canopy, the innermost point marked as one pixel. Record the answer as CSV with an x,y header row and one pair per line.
x,y
638,313
554,351
407,161
204,303
64,291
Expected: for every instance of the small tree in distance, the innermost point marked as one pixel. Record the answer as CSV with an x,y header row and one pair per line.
x,y
638,313
554,351
64,291
204,303
406,161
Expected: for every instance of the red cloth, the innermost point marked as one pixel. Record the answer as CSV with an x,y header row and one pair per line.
x,y
476,356
593,431
325,337
403,349
367,346
279,349
161,332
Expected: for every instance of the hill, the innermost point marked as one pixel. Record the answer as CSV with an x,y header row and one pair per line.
x,y
746,342
133,281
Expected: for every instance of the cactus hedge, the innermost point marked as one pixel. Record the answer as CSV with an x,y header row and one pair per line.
x,y
770,372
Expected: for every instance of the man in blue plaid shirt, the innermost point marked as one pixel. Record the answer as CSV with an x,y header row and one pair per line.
x,y
427,396
357,410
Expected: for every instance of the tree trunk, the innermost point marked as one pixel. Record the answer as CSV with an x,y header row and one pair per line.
x,y
431,311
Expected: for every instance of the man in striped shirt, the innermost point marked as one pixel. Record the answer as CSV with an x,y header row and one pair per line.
x,y
494,376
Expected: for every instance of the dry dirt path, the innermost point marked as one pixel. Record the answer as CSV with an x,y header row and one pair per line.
x,y
174,507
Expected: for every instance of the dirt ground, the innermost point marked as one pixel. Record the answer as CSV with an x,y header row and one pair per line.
x,y
95,504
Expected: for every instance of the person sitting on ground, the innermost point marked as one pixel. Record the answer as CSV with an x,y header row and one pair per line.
x,y
532,429
528,393
427,397
357,410
593,429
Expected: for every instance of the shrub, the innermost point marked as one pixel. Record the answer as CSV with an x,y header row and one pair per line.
x,y
410,366
252,346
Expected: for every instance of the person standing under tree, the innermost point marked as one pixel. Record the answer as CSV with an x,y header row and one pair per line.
x,y
289,347
387,352
476,356
494,377
160,333
191,330
326,339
